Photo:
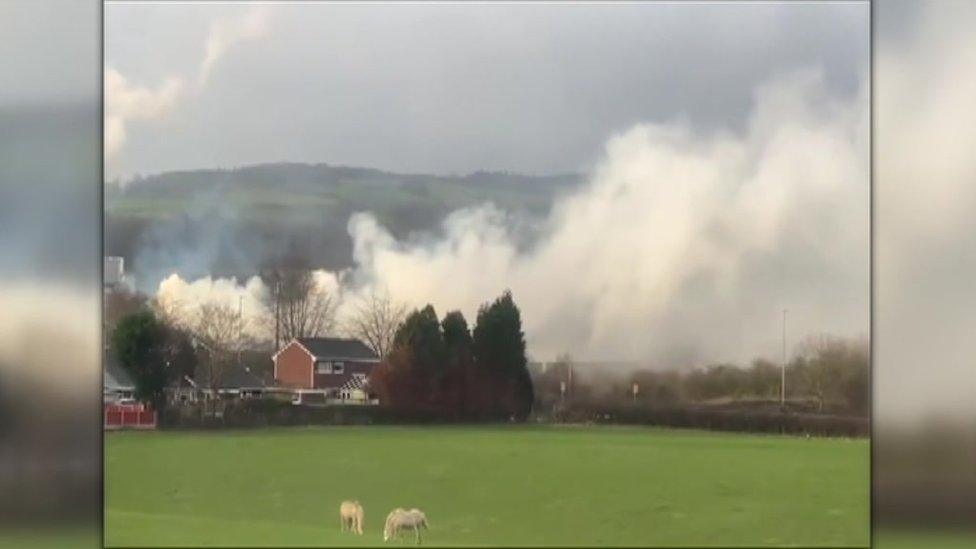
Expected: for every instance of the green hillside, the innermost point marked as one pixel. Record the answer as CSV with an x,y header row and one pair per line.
x,y
303,206
268,188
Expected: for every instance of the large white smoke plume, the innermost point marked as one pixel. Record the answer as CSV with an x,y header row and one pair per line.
x,y
683,248
182,299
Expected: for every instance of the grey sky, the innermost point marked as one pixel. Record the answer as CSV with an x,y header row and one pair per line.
x,y
456,88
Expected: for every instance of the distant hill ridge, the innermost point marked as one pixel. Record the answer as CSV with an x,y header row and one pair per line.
x,y
323,172
229,220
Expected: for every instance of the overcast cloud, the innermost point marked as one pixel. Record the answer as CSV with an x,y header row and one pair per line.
x,y
451,88
725,148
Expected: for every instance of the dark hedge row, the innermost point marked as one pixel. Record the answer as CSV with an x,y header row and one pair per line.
x,y
265,413
719,420
268,413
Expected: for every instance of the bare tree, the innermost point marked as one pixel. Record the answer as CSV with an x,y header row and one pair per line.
x,y
218,328
298,306
376,320
825,358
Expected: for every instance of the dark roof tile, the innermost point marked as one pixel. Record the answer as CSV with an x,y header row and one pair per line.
x,y
334,347
114,375
235,376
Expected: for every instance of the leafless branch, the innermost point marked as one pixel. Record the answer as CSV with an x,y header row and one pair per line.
x,y
376,320
298,306
218,328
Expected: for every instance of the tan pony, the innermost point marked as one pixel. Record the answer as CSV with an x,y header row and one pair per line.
x,y
400,519
351,515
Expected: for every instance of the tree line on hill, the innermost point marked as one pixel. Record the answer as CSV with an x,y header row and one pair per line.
x,y
237,212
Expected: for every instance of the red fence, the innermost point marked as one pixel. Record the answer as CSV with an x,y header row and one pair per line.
x,y
124,416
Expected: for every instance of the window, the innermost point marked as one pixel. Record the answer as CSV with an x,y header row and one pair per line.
x,y
330,367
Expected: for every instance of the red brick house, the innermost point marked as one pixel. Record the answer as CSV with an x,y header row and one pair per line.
x,y
323,363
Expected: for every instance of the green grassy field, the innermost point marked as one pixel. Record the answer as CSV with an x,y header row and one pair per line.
x,y
486,486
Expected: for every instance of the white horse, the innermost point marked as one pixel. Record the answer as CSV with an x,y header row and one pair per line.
x,y
399,520
351,516
388,529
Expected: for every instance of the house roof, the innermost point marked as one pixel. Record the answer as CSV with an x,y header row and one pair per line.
x,y
235,376
336,348
240,377
114,376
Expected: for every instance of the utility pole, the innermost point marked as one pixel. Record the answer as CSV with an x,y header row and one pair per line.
x,y
782,385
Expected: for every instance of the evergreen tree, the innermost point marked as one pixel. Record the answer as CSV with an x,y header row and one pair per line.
x,y
141,344
457,339
499,352
457,392
420,333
